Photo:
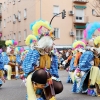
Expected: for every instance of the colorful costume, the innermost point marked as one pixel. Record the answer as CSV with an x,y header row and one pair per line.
x,y
1,68
94,78
11,62
19,51
74,63
41,66
81,76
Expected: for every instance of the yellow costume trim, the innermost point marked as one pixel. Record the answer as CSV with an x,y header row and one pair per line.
x,y
1,73
53,98
9,71
97,40
96,61
12,58
30,91
49,81
45,61
94,75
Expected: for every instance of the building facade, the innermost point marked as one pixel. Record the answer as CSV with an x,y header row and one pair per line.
x,y
18,14
0,20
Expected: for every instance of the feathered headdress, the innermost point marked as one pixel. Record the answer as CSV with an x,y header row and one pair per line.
x,y
31,39
41,28
97,40
11,43
19,49
78,44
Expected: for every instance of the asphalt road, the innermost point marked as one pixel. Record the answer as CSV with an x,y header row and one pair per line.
x,y
15,90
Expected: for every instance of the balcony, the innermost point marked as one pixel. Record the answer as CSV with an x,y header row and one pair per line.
x,y
80,1
78,20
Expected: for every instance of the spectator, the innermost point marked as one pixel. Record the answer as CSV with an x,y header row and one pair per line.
x,y
60,60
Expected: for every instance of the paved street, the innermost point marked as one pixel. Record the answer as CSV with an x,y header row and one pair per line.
x,y
13,90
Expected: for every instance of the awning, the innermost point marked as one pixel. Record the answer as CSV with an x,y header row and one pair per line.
x,y
80,27
79,7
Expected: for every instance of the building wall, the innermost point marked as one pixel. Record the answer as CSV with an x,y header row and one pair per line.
x,y
18,26
33,13
65,25
0,19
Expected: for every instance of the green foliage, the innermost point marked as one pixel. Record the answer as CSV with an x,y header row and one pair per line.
x,y
2,44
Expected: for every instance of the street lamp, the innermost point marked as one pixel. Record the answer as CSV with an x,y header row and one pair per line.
x,y
63,15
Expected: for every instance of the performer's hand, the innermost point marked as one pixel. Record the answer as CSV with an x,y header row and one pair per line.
x,y
20,67
16,64
66,61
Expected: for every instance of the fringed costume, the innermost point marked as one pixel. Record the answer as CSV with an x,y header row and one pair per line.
x,y
41,66
11,62
1,69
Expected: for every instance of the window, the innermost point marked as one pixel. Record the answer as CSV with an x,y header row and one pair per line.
x,y
19,16
0,7
79,15
4,23
25,13
4,6
13,2
79,34
14,18
19,0
56,9
7,2
25,34
14,36
56,33
19,36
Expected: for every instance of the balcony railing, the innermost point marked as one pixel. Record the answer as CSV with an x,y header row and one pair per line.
x,y
80,19
80,1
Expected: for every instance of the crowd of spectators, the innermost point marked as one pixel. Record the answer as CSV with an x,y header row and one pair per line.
x,y
62,57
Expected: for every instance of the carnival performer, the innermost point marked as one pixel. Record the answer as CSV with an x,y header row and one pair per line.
x,y
19,51
74,59
11,65
87,75
5,61
22,74
60,60
81,74
41,66
1,69
94,78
